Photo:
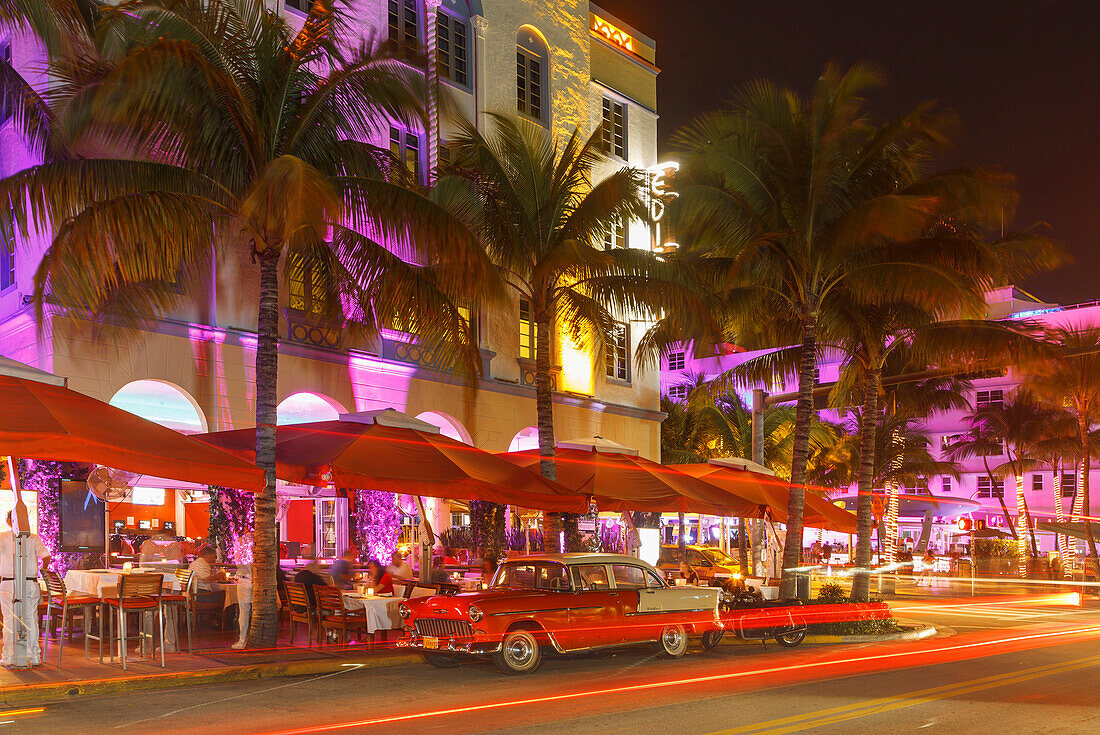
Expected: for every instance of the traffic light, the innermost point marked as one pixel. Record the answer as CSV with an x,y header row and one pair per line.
x,y
979,525
964,524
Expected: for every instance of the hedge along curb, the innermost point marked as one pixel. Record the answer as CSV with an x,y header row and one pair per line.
x,y
67,690
913,634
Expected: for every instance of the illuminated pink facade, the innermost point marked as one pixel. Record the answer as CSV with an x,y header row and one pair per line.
x,y
1005,303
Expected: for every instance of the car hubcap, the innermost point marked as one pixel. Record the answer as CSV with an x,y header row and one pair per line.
x,y
519,651
672,638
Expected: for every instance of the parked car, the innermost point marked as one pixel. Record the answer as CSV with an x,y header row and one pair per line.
x,y
560,603
709,562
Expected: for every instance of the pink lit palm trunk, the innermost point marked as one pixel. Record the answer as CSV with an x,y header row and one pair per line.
x,y
865,520
544,410
1083,487
264,628
1060,517
1021,528
792,548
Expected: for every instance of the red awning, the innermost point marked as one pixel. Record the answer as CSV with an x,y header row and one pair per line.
x,y
42,421
622,482
351,454
767,491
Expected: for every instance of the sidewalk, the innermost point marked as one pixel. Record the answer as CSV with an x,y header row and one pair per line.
x,y
214,663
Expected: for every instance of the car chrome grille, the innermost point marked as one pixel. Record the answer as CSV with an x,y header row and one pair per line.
x,y
441,628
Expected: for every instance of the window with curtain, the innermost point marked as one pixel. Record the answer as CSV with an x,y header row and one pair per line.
x,y
528,331
405,147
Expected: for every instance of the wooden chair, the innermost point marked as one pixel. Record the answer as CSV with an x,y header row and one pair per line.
x,y
301,610
332,615
280,588
59,600
181,601
138,593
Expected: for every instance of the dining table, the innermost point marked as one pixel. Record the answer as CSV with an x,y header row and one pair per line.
x,y
380,610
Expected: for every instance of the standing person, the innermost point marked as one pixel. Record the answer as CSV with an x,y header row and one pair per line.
x,y
815,552
341,570
18,650
399,567
928,567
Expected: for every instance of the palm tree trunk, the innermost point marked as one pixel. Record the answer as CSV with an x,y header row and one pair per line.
x,y
544,410
865,519
264,628
1083,488
1021,527
1059,515
804,411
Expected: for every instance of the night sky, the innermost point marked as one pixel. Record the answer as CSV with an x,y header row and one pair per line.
x,y
1023,75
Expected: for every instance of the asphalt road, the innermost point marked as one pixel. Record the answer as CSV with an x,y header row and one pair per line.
x,y
1009,668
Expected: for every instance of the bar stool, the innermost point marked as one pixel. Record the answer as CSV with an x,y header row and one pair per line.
x,y
182,600
59,600
138,593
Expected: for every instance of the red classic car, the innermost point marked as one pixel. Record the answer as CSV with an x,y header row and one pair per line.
x,y
558,602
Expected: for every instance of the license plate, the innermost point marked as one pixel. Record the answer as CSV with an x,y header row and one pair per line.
x,y
430,642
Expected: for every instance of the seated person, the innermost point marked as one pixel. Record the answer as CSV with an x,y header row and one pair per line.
x,y
686,572
204,577
162,547
399,566
310,577
488,569
341,568
439,574
380,579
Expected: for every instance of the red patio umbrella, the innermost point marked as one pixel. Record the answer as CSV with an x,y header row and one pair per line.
x,y
381,452
619,481
767,491
43,421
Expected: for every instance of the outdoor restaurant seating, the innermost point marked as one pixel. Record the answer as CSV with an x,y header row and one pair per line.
x,y
333,615
301,610
138,593
206,602
63,606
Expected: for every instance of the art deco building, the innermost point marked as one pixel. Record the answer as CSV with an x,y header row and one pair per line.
x,y
562,65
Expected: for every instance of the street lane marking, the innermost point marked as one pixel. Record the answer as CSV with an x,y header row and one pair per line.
x,y
834,715
650,686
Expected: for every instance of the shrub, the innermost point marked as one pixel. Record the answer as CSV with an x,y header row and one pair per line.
x,y
831,592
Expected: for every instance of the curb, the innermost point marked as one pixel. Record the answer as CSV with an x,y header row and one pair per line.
x,y
66,690
915,633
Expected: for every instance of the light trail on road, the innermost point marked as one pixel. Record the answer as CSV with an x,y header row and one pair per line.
x,y
849,665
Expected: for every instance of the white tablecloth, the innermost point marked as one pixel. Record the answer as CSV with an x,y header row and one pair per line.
x,y
381,611
235,591
103,584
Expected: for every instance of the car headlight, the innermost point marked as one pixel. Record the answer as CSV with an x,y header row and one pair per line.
x,y
475,613
403,611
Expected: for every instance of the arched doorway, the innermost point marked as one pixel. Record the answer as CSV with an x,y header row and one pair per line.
x,y
302,408
163,403
448,426
526,438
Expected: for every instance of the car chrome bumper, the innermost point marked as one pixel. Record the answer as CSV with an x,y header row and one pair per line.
x,y
452,645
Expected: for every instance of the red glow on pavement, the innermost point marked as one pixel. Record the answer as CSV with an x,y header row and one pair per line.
x,y
852,665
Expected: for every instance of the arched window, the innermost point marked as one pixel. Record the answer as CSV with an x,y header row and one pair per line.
x,y
162,403
532,75
302,408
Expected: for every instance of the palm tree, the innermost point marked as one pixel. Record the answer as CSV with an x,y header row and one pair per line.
x,y
793,199
1072,379
1058,443
542,221
1016,428
212,127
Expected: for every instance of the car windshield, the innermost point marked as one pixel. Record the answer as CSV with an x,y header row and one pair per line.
x,y
718,556
531,576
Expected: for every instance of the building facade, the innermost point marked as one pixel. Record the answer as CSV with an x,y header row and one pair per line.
x,y
563,65
942,429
